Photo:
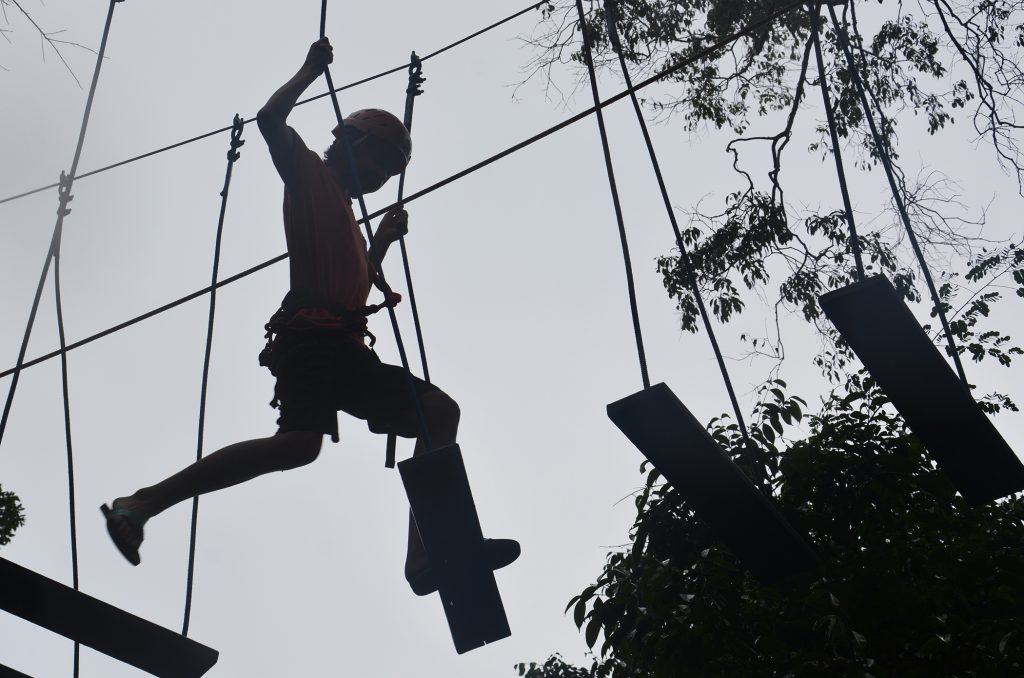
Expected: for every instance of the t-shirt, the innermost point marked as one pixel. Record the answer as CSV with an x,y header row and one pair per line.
x,y
327,251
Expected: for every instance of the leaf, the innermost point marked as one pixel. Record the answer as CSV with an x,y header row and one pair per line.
x,y
593,628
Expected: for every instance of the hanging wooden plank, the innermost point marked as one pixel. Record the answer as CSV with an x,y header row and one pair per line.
x,y
101,626
922,386
442,503
6,672
721,495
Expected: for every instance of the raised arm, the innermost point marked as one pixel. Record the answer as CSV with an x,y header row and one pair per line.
x,y
272,118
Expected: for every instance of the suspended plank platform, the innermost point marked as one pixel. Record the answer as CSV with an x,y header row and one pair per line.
x,y
102,627
6,672
442,503
721,495
919,382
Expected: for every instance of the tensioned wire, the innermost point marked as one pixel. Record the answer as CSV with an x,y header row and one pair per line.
x,y
697,56
53,254
350,85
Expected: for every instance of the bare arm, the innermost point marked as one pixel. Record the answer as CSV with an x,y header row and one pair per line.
x,y
272,118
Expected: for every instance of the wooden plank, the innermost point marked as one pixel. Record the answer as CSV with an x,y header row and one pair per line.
x,y
721,495
922,386
442,503
101,626
6,672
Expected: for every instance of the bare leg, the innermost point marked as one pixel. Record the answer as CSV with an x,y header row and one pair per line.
x,y
442,415
228,466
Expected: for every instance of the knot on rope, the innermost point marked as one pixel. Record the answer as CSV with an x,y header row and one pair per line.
x,y
64,194
415,76
236,138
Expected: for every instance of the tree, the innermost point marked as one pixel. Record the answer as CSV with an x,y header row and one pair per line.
x,y
11,515
46,38
914,581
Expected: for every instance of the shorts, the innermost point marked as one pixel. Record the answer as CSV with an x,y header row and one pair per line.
x,y
322,373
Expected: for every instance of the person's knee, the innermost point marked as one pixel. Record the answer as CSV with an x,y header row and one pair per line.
x,y
440,407
299,448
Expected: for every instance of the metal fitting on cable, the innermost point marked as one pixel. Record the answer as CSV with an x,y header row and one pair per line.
x,y
64,194
236,138
415,76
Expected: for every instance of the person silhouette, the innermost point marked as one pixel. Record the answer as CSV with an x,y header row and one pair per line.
x,y
317,340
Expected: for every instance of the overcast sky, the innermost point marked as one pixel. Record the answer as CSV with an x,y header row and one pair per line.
x,y
521,290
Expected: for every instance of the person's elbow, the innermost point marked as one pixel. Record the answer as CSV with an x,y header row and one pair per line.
x,y
270,123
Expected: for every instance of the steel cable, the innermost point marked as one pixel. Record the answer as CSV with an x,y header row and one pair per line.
x,y
350,85
696,56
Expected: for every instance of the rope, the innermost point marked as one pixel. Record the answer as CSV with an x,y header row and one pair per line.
x,y
53,254
641,356
815,13
413,90
64,197
350,85
610,19
236,142
72,520
883,154
700,54
381,281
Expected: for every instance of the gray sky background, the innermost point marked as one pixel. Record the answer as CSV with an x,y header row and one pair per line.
x,y
522,295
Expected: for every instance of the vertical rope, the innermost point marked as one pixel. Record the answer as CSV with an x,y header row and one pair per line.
x,y
691,276
358,190
883,154
615,198
72,520
815,12
236,142
64,192
413,90
53,254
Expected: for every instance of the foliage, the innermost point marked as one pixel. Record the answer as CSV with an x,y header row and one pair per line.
x,y
914,582
925,62
12,515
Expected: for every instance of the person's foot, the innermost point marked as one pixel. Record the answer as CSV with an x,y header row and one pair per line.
x,y
497,553
125,519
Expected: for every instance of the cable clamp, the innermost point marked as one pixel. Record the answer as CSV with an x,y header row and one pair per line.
x,y
64,194
415,76
236,138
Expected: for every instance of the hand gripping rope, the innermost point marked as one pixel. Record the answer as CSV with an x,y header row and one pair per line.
x,y
381,281
750,28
